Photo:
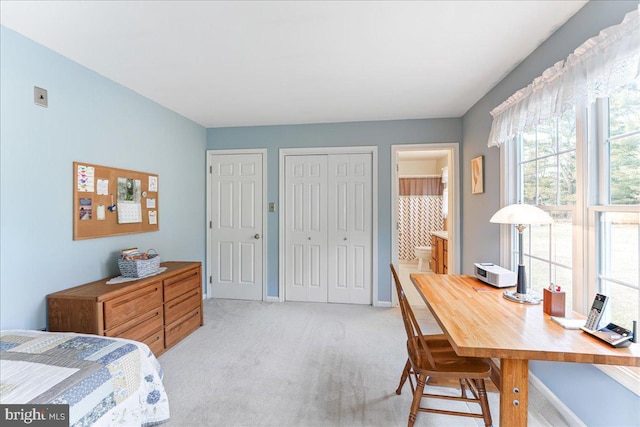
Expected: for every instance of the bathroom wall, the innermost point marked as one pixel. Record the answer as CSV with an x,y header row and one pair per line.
x,y
418,167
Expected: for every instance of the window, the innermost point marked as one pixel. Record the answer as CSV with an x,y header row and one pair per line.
x,y
547,179
601,252
616,209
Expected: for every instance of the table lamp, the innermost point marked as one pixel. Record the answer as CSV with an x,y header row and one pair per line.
x,y
521,215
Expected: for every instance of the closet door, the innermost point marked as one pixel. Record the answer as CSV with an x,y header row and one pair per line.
x,y
306,228
350,228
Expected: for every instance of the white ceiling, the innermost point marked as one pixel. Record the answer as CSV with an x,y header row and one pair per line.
x,y
288,62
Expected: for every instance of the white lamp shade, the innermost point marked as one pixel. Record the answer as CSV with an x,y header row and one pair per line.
x,y
521,214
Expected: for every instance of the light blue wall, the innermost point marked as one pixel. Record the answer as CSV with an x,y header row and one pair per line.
x,y
587,391
381,134
93,120
583,388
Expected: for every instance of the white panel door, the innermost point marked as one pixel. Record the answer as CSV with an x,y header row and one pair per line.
x,y
349,228
236,226
306,228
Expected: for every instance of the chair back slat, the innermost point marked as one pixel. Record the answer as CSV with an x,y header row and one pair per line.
x,y
410,323
401,301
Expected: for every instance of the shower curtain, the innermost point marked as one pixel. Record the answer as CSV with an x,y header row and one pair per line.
x,y
420,213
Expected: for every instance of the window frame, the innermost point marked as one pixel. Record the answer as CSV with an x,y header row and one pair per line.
x,y
591,156
596,201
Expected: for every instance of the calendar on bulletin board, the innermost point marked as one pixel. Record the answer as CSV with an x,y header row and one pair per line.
x,y
109,201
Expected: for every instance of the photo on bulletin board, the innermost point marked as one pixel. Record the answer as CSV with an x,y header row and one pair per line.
x,y
477,178
128,190
129,207
85,209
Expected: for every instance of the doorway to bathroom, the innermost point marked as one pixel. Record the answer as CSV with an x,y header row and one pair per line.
x,y
425,212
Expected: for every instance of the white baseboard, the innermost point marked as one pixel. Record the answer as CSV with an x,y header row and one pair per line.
x,y
376,304
567,413
386,304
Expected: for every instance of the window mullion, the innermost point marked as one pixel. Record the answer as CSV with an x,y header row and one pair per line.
x,y
509,160
604,172
557,158
537,168
583,286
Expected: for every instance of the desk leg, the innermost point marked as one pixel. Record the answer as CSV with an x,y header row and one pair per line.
x,y
514,392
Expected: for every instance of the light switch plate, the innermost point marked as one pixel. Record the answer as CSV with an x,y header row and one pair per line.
x,y
40,96
272,207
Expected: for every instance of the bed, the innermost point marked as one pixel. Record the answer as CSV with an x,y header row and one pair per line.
x,y
105,381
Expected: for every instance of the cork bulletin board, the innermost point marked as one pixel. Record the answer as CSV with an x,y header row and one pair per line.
x,y
110,202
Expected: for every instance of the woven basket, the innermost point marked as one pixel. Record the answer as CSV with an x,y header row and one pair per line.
x,y
140,267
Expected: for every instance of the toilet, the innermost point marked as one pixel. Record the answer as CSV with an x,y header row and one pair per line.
x,y
423,253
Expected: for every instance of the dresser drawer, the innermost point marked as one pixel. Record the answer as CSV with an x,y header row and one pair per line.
x,y
121,309
155,342
140,327
181,283
182,327
176,308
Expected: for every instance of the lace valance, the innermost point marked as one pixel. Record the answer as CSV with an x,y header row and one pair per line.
x,y
598,67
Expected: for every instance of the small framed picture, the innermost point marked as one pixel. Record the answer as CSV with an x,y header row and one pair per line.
x,y
477,175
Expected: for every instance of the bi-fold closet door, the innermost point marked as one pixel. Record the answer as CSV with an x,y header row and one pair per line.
x,y
328,228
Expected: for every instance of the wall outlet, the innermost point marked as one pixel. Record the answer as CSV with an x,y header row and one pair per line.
x,y
40,97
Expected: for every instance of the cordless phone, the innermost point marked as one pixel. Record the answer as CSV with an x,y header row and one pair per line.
x,y
596,312
612,334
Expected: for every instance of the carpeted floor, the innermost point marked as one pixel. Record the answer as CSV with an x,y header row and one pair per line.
x,y
301,364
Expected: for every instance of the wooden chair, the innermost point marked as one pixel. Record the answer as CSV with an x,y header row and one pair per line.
x,y
437,342
438,362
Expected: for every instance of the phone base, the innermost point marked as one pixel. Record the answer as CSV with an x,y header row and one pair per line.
x,y
528,298
613,335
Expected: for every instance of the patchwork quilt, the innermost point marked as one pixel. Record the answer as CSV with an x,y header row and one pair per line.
x,y
105,381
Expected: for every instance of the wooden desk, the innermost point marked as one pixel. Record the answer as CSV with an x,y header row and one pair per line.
x,y
484,324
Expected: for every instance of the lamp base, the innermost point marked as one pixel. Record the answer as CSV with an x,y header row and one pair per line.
x,y
528,298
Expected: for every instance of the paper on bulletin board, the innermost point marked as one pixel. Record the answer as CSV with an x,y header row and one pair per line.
x,y
153,183
85,178
102,187
129,212
151,203
153,217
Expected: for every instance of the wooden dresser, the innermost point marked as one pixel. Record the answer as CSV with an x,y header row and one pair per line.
x,y
159,310
439,255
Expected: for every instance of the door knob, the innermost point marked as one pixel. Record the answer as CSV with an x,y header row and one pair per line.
x,y
345,238
257,236
308,238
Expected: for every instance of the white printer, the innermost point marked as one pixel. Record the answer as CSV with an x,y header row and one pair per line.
x,y
495,275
